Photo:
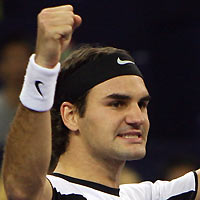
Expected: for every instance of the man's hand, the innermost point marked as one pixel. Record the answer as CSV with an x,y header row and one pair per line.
x,y
55,28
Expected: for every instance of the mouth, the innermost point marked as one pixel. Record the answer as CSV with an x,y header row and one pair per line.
x,y
132,136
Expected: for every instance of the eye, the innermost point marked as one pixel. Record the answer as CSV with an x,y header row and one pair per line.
x,y
117,104
143,104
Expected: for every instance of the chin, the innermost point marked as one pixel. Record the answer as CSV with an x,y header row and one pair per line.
x,y
137,155
129,156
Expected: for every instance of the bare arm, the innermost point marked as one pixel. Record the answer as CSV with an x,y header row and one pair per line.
x,y
27,154
198,191
28,149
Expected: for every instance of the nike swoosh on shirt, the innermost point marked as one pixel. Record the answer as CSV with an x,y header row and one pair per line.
x,y
124,62
37,83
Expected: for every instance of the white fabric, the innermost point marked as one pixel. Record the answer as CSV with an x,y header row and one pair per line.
x,y
43,78
160,190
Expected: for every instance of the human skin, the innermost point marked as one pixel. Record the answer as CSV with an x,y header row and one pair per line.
x,y
114,129
24,169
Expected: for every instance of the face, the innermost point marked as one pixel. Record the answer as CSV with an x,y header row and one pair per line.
x,y
115,124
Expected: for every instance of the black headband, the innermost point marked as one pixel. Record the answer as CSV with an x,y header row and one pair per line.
x,y
72,86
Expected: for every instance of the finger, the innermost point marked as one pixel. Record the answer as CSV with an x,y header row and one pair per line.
x,y
59,8
62,19
77,21
61,14
61,32
65,18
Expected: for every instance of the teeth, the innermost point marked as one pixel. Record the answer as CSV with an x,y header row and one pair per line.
x,y
130,136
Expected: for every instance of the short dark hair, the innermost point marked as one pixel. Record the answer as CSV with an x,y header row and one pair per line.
x,y
60,133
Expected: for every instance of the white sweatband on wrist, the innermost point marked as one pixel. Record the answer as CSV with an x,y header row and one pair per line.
x,y
39,86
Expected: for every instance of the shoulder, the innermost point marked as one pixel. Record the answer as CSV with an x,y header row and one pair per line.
x,y
184,188
65,187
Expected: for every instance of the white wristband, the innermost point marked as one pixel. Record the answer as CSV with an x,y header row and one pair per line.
x,y
39,86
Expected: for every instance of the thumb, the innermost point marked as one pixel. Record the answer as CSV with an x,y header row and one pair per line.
x,y
77,21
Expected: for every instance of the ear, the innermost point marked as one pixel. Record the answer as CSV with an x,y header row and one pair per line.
x,y
69,116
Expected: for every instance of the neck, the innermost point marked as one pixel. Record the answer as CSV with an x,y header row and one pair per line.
x,y
80,164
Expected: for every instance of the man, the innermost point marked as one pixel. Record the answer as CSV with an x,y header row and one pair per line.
x,y
103,106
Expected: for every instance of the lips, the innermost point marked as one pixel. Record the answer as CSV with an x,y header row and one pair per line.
x,y
130,135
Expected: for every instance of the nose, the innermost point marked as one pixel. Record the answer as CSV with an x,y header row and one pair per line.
x,y
135,117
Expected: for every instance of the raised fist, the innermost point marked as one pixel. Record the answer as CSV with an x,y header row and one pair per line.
x,y
55,28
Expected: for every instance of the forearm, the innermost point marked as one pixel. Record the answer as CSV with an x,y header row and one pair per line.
x,y
27,154
28,149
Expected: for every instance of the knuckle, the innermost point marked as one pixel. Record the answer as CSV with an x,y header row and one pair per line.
x,y
44,11
71,21
70,14
69,7
43,16
70,18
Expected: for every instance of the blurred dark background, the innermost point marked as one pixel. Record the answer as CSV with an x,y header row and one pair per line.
x,y
164,39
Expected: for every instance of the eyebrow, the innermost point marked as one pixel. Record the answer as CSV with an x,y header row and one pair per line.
x,y
118,96
146,98
126,97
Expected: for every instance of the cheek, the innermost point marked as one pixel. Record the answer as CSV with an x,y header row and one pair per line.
x,y
101,123
147,124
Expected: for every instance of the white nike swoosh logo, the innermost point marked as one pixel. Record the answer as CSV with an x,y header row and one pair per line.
x,y
124,62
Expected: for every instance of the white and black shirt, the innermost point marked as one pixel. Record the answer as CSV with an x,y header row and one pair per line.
x,y
68,188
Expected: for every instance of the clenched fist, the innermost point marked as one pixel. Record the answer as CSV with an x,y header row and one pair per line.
x,y
55,28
